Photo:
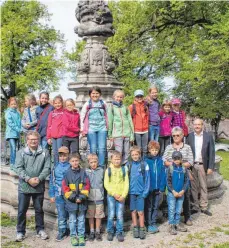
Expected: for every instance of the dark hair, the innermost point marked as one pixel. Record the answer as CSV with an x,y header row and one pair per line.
x,y
95,88
74,155
44,92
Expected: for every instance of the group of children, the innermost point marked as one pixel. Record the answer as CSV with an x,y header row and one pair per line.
x,y
137,171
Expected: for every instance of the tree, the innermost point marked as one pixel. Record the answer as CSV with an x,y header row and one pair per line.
x,y
29,47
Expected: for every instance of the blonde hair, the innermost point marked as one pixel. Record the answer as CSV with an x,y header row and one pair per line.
x,y
58,97
152,88
135,149
117,92
116,154
32,133
70,100
92,156
31,98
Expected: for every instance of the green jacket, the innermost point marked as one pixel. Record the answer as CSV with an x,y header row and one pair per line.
x,y
120,122
30,165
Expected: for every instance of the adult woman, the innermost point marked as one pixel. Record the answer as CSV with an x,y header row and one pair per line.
x,y
187,155
94,123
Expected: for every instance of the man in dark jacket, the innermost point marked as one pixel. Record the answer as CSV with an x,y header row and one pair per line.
x,y
33,166
203,148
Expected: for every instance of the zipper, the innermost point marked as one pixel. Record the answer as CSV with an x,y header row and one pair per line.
x,y
121,120
155,164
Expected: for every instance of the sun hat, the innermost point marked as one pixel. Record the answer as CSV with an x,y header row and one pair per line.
x,y
139,93
177,155
176,101
63,149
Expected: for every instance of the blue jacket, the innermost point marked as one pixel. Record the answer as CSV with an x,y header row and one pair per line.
x,y
13,123
157,173
42,118
56,177
177,178
139,181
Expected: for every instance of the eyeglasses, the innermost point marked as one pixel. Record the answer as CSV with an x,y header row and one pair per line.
x,y
176,135
33,139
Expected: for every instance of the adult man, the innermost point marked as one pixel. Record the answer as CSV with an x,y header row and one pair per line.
x,y
33,166
203,148
187,157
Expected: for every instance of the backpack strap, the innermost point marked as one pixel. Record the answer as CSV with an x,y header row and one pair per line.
x,y
143,169
123,172
133,110
109,173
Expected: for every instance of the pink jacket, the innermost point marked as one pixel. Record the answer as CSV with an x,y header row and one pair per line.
x,y
165,124
71,123
55,127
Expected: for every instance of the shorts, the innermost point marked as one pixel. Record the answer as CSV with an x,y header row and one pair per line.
x,y
95,211
137,202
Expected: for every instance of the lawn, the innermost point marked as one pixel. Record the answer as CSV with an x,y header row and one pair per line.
x,y
224,164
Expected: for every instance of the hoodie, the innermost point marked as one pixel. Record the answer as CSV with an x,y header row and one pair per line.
x,y
13,123
55,126
71,123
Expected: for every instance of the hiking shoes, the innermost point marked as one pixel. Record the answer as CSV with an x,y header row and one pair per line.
x,y
120,237
206,212
142,233
98,236
42,234
20,237
180,228
135,232
153,229
172,230
91,236
60,236
74,241
110,236
81,241
188,222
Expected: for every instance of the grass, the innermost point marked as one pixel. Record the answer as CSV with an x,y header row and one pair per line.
x,y
224,141
224,164
222,245
13,244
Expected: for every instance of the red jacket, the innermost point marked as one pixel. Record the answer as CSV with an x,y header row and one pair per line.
x,y
140,116
55,127
71,123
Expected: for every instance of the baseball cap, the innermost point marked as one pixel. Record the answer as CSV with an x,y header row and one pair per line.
x,y
177,155
63,149
139,93
176,101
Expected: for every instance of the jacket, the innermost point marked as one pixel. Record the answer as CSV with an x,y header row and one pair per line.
x,y
116,184
42,113
177,178
154,118
96,194
120,122
157,173
178,119
207,151
71,123
139,180
13,123
29,119
75,185
56,177
165,124
28,165
141,118
93,116
55,126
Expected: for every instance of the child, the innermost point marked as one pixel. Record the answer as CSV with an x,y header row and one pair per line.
x,y
76,186
13,128
55,127
42,113
71,126
157,185
95,210
177,183
29,118
140,115
55,192
94,123
165,126
120,127
139,189
154,118
178,116
116,183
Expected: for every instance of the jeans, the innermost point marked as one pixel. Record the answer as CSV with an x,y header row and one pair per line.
x,y
62,214
142,142
77,223
23,205
98,144
115,208
154,132
122,145
151,209
164,142
44,143
56,144
13,148
174,208
72,144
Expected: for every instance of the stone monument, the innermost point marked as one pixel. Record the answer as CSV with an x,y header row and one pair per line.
x,y
95,66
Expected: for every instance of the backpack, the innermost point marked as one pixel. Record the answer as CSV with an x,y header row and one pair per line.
x,y
171,169
89,107
123,173
142,168
134,112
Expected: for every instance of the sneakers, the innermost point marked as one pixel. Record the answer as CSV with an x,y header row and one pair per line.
x,y
81,241
153,229
20,237
110,236
42,234
142,233
98,236
188,222
135,232
74,241
172,230
206,212
180,228
91,236
60,236
120,237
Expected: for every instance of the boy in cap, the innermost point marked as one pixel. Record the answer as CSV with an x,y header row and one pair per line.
x,y
55,192
177,183
140,116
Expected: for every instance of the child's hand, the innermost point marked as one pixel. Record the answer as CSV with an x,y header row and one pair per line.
x,y
27,126
175,194
116,196
181,193
52,200
168,163
49,141
78,201
121,199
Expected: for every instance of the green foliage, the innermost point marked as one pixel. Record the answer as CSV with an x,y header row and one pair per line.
x,y
29,47
221,245
7,221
